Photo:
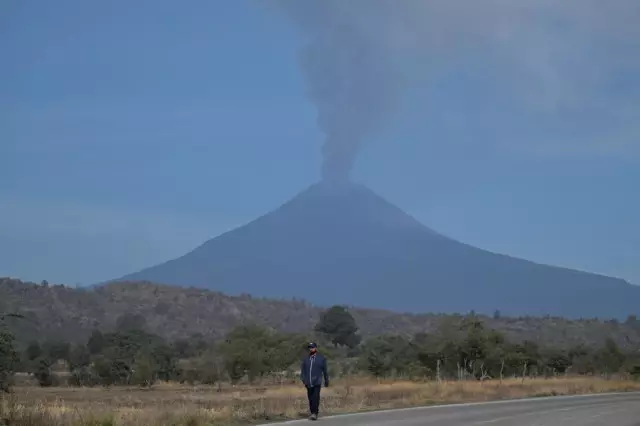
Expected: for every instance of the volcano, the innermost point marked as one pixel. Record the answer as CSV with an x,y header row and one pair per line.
x,y
343,244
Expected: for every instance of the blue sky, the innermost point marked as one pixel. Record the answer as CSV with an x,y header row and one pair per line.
x,y
130,132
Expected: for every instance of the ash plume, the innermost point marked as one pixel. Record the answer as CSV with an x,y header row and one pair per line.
x,y
359,57
350,77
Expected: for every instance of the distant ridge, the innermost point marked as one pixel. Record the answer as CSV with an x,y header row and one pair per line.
x,y
342,243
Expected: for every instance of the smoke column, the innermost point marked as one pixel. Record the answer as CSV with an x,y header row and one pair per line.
x,y
350,102
359,56
349,73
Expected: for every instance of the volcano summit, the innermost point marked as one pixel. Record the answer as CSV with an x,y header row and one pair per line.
x,y
342,243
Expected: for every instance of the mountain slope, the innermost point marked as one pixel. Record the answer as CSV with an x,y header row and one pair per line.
x,y
70,314
344,244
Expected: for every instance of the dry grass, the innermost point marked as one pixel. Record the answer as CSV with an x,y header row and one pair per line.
x,y
177,405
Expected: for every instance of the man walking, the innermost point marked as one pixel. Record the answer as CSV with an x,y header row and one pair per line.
x,y
312,371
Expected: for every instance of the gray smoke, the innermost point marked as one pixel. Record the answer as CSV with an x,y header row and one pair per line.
x,y
350,74
359,56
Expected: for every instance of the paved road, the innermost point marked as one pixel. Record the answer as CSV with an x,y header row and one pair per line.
x,y
591,410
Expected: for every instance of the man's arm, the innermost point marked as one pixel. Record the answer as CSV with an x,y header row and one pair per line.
x,y
302,371
325,372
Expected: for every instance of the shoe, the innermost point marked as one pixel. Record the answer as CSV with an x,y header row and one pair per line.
x,y
313,417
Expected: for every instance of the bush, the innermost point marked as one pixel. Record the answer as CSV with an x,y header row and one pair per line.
x,y
43,373
205,369
112,371
144,370
634,372
84,376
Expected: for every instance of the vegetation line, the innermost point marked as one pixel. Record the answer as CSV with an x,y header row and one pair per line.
x,y
127,375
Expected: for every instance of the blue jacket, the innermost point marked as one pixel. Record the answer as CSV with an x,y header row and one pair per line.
x,y
313,370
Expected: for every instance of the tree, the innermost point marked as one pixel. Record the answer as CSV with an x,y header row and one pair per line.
x,y
131,322
634,372
56,350
245,351
578,351
42,372
33,351
120,349
255,351
84,376
438,354
144,369
95,344
205,369
377,357
197,343
183,348
473,348
79,357
558,361
111,370
581,358
610,358
163,360
8,360
340,326
384,355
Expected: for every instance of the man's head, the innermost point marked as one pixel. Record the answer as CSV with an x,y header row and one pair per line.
x,y
312,348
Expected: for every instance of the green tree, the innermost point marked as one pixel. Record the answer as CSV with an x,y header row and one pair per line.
x,y
206,369
473,348
131,322
634,372
56,350
581,358
198,344
284,350
79,357
116,361
144,369
524,356
42,372
84,376
386,355
95,344
255,351
111,370
245,351
183,348
496,353
33,351
8,360
377,357
338,323
437,354
558,361
164,361
609,359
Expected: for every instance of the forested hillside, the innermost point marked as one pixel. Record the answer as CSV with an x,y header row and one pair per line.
x,y
69,314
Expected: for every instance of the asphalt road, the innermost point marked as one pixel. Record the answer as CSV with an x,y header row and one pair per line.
x,y
590,410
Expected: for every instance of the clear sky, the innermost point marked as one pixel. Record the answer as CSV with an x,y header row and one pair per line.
x,y
130,132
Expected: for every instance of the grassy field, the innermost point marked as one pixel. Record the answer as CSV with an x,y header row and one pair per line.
x,y
177,405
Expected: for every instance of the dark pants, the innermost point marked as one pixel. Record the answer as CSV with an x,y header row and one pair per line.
x,y
313,393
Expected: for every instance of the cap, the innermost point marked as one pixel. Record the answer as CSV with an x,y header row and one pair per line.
x,y
312,345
